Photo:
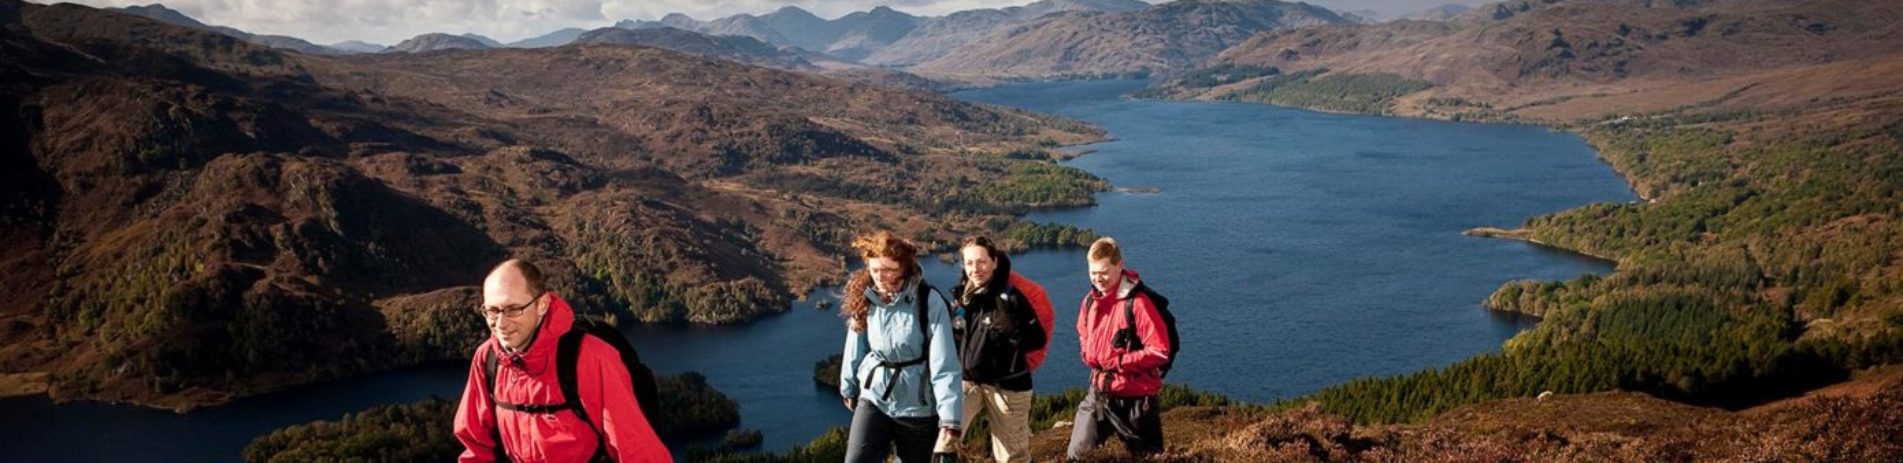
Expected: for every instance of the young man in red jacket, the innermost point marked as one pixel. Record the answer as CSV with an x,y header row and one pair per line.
x,y
526,422
1123,381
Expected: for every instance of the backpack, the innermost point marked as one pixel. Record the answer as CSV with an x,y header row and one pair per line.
x,y
1041,304
567,354
1127,337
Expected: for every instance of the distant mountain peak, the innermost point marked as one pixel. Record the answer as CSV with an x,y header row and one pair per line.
x,y
160,12
437,41
553,39
492,43
793,10
357,46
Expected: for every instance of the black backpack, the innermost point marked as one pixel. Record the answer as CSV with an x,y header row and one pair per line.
x,y
567,354
1127,337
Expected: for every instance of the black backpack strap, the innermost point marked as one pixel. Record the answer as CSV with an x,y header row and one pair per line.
x,y
489,367
567,355
1130,322
1159,304
893,369
924,315
925,332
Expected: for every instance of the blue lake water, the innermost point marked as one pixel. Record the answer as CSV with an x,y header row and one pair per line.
x,y
1299,249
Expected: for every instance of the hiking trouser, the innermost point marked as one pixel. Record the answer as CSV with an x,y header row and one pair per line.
x,y
874,435
1134,420
1010,415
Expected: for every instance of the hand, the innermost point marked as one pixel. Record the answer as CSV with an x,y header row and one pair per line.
x,y
851,405
947,441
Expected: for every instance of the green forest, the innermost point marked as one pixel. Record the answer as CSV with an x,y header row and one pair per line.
x,y
1762,265
1314,88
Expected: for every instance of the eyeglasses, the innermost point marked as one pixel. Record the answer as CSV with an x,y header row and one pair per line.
x,y
492,313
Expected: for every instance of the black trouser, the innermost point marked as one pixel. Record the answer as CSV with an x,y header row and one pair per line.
x,y
874,434
1134,420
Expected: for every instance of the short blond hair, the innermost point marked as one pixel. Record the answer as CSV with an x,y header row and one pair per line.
x,y
1106,248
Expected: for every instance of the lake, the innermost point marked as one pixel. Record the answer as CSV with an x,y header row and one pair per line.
x,y
1299,250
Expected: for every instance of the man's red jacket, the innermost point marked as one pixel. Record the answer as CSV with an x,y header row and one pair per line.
x,y
1130,373
529,378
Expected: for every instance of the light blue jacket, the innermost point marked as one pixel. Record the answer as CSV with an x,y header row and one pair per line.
x,y
892,335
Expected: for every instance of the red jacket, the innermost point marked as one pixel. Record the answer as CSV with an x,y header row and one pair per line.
x,y
529,379
1130,373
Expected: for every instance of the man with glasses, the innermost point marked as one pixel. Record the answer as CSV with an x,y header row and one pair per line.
x,y
522,414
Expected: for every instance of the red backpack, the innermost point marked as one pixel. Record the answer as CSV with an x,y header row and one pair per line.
x,y
1040,303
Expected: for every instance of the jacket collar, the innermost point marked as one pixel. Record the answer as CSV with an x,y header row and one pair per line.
x,y
1000,279
541,352
906,292
1124,287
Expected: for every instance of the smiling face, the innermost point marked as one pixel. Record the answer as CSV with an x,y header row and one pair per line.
x,y
887,274
511,311
978,264
1105,274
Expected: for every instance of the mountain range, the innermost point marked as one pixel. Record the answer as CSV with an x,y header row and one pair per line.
x,y
168,15
1041,39
1159,39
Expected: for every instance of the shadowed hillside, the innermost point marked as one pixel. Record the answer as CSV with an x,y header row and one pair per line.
x,y
191,217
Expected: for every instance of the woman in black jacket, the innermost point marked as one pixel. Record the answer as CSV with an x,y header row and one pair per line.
x,y
995,327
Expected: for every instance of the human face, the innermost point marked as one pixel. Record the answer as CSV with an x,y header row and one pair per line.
x,y
887,274
1105,275
499,299
978,264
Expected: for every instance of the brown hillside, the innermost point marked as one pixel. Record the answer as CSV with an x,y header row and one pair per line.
x,y
189,217
1161,39
1567,60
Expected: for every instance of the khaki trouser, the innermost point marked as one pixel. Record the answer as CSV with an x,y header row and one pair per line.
x,y
1010,415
